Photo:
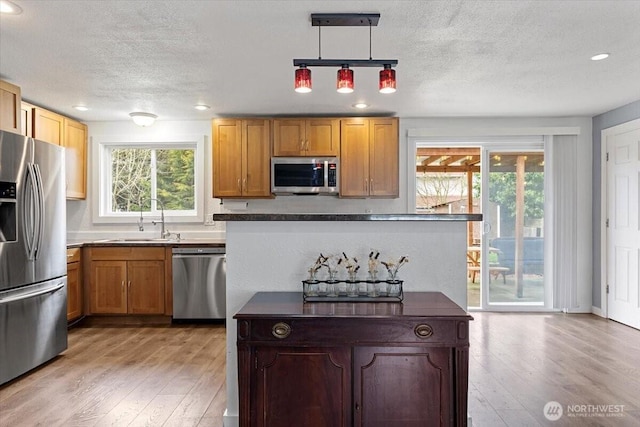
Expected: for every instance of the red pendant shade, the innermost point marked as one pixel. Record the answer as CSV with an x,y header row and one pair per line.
x,y
303,80
387,80
345,80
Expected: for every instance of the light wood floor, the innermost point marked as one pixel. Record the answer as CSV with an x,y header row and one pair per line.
x,y
175,376
125,376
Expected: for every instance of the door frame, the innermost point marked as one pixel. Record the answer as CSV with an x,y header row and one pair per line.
x,y
604,208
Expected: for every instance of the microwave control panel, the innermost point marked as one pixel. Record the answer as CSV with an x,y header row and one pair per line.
x,y
333,172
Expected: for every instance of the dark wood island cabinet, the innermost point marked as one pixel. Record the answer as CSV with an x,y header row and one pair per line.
x,y
391,364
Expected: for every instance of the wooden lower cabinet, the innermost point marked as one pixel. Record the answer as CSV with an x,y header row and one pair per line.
x,y
352,364
74,284
119,285
316,391
390,384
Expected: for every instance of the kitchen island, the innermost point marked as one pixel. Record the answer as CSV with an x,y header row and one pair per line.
x,y
273,252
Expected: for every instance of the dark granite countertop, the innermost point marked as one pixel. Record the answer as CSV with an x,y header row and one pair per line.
x,y
344,217
210,243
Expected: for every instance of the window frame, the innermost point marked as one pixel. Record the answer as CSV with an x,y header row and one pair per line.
x,y
102,180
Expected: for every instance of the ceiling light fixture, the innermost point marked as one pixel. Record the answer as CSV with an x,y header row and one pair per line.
x,y
143,119
345,73
201,107
9,8
360,105
303,80
81,107
345,80
600,57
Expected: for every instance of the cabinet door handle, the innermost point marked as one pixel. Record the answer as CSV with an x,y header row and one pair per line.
x,y
244,184
306,146
423,331
129,284
281,330
239,188
371,186
366,185
302,145
122,285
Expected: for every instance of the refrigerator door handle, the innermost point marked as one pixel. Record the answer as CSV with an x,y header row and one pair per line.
x,y
33,214
29,212
40,213
20,297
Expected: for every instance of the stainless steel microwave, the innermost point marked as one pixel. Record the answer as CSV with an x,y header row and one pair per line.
x,y
305,175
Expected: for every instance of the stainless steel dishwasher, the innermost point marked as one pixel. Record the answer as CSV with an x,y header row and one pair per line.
x,y
199,283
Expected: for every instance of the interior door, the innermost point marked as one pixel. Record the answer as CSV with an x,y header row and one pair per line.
x,y
623,234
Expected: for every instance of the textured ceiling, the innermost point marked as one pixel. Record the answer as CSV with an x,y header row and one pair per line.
x,y
456,58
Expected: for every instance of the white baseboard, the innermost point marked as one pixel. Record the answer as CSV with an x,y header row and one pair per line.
x,y
597,311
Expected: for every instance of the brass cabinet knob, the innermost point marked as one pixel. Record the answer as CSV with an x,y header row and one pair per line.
x,y
423,331
281,330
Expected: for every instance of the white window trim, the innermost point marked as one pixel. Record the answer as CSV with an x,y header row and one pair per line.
x,y
100,175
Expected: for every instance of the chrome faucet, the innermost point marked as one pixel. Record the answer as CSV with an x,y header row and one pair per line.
x,y
164,233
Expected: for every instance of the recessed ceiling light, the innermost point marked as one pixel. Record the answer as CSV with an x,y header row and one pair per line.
x,y
201,107
81,108
360,105
9,8
600,57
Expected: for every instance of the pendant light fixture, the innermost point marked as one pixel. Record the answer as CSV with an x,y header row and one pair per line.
x,y
387,80
303,79
345,80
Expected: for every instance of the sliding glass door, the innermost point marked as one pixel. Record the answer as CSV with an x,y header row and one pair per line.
x,y
505,181
513,240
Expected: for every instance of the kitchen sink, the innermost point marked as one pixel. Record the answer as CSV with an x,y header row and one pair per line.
x,y
130,240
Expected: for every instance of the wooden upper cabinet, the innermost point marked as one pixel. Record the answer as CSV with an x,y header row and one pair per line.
x,y
10,98
383,158
241,158
48,126
75,144
26,119
227,157
369,158
354,158
256,165
306,137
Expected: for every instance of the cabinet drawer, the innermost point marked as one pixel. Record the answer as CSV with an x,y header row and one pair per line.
x,y
128,253
73,255
327,331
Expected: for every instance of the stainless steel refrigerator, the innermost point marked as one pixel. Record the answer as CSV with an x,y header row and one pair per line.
x,y
33,269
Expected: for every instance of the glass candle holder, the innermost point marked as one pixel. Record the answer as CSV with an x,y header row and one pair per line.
x,y
352,288
332,289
